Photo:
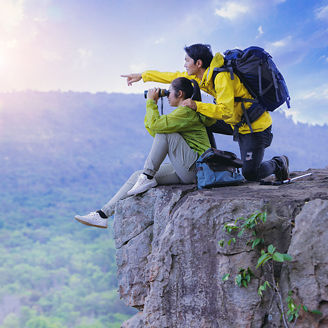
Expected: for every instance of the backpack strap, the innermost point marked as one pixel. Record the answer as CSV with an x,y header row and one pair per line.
x,y
252,113
226,68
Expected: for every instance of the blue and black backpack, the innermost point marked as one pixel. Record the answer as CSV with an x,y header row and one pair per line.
x,y
216,168
261,77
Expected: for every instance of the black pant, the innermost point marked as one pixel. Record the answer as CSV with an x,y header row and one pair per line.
x,y
252,146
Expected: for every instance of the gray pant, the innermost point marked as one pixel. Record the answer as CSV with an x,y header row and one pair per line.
x,y
182,168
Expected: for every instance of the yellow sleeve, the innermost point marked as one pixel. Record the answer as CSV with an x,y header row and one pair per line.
x,y
225,99
164,77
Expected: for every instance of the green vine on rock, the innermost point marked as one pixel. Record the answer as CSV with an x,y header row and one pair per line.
x,y
268,257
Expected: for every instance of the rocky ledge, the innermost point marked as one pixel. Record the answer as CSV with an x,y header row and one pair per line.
x,y
171,262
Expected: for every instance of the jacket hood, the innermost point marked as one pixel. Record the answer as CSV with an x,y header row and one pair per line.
x,y
217,61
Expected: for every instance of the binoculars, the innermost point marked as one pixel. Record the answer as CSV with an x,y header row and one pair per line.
x,y
162,93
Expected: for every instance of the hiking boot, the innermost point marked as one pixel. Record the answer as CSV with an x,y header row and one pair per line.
x,y
283,171
142,185
92,219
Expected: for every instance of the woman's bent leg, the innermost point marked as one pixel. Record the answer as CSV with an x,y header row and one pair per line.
x,y
181,156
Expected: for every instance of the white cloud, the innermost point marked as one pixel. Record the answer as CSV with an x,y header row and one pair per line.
x,y
318,92
324,57
232,10
260,29
282,43
309,101
308,95
322,13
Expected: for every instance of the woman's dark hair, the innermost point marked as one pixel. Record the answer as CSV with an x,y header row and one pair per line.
x,y
200,51
190,88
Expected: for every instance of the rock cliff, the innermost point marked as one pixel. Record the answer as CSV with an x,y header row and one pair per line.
x,y
171,264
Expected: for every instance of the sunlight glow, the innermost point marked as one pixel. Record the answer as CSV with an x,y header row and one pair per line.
x,y
11,13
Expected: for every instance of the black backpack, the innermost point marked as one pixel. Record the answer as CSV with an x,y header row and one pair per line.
x,y
216,168
261,77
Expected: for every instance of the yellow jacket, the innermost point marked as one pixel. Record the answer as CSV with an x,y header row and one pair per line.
x,y
224,92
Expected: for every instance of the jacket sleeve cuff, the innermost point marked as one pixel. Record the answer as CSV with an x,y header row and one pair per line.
x,y
145,77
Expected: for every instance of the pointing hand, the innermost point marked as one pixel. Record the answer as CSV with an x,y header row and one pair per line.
x,y
131,78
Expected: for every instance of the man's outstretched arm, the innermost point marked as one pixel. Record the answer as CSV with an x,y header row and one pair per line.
x,y
156,76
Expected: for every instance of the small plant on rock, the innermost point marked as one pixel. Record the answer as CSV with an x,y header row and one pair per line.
x,y
269,255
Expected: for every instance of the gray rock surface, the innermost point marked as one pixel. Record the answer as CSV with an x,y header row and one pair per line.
x,y
170,263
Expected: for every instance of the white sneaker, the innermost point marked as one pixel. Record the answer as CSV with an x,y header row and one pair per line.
x,y
92,219
142,185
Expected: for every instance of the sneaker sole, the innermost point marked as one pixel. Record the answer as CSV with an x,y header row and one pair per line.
x,y
90,224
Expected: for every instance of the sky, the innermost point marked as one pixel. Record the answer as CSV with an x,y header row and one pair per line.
x,y
85,45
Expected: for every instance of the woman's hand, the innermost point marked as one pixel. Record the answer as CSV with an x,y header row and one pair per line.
x,y
153,94
189,103
131,78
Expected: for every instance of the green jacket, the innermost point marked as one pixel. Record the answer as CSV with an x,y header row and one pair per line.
x,y
183,120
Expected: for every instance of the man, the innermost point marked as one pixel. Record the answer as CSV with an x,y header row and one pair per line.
x,y
199,64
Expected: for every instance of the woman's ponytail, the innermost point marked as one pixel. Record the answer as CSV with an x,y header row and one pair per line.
x,y
196,95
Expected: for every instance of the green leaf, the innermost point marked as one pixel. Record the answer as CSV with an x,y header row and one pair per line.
x,y
226,277
240,233
260,290
231,240
291,306
305,308
263,259
250,271
238,280
256,242
229,227
221,242
244,282
240,218
266,283
316,312
287,257
271,249
278,257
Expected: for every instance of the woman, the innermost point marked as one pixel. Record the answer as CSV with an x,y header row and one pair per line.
x,y
181,135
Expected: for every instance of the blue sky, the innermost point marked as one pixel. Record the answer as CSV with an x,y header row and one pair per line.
x,y
84,45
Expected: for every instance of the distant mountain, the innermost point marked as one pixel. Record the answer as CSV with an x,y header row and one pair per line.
x,y
83,139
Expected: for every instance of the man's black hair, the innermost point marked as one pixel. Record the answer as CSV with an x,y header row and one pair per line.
x,y
200,51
